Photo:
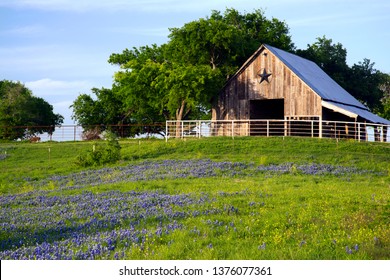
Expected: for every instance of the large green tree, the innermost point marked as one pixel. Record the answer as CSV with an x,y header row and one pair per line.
x,y
104,109
22,114
225,41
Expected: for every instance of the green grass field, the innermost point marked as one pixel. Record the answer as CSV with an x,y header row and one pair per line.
x,y
213,198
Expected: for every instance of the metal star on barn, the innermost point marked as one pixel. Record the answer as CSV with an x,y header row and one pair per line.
x,y
264,76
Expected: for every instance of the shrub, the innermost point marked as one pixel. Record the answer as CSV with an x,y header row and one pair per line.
x,y
102,152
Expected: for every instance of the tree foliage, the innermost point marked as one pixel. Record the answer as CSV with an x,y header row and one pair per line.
x,y
365,84
22,114
102,110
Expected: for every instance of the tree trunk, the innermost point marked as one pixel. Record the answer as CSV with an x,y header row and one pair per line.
x,y
179,117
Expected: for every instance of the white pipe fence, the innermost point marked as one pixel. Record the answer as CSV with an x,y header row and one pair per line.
x,y
232,128
289,127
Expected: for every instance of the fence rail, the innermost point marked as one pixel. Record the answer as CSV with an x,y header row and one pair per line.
x,y
304,128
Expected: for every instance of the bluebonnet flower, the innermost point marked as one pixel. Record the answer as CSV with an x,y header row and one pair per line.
x,y
262,246
175,169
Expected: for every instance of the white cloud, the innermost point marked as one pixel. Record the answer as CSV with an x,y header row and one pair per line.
x,y
47,85
63,109
27,30
58,62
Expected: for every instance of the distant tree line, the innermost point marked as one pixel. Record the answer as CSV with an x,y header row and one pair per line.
x,y
22,114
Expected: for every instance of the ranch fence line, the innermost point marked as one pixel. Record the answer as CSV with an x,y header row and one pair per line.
x,y
268,128
215,128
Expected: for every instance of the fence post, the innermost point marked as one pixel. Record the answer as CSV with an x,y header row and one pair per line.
x,y
267,128
285,127
182,129
74,133
52,128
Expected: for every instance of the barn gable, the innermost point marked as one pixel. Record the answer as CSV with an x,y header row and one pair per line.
x,y
275,84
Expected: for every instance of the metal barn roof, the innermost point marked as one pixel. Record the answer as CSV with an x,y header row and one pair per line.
x,y
330,92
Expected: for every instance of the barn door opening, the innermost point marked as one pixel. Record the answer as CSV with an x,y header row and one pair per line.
x,y
267,109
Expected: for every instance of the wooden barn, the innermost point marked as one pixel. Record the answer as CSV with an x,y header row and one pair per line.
x,y
276,85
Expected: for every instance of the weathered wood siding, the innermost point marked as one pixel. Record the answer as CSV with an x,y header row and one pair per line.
x,y
234,99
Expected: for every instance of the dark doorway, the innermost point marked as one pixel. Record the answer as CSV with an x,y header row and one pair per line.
x,y
267,109
263,110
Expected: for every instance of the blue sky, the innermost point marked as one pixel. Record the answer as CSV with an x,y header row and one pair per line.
x,y
60,48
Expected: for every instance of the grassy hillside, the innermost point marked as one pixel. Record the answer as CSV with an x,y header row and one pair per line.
x,y
217,198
